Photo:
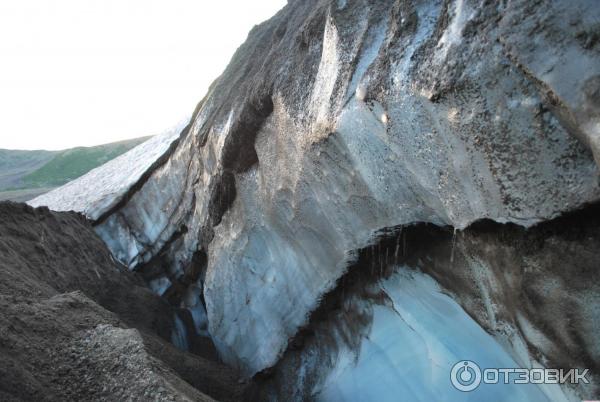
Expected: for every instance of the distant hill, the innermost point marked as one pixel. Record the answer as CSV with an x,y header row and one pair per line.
x,y
14,165
26,174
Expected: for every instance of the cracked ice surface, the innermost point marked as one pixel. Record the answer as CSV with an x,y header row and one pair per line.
x,y
102,188
405,355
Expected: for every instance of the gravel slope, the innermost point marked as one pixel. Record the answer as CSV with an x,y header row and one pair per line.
x,y
74,325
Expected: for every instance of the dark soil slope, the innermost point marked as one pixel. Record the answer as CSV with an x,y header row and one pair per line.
x,y
74,325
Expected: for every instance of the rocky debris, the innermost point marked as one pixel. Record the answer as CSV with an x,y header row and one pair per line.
x,y
113,364
75,325
336,119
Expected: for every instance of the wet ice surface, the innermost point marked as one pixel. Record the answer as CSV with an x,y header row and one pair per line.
x,y
99,190
179,334
412,346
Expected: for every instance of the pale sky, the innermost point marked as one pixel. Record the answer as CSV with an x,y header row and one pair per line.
x,y
87,72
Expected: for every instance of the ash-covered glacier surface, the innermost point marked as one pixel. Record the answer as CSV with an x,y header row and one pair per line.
x,y
101,189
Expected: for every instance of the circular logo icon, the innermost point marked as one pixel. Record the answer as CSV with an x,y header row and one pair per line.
x,y
465,376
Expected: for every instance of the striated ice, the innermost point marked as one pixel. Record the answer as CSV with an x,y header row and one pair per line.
x,y
412,346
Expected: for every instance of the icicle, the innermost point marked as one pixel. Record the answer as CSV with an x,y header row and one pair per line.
x,y
379,255
453,244
397,246
372,259
387,252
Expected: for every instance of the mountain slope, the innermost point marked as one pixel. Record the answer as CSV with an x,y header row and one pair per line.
x,y
101,189
14,165
77,326
70,164
27,174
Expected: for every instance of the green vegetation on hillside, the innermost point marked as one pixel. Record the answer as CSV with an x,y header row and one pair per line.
x,y
73,163
27,174
13,160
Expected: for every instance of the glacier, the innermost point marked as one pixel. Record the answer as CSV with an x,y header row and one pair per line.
x,y
404,354
335,120
98,191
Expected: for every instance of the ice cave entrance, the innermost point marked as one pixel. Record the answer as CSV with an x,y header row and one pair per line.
x,y
412,347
